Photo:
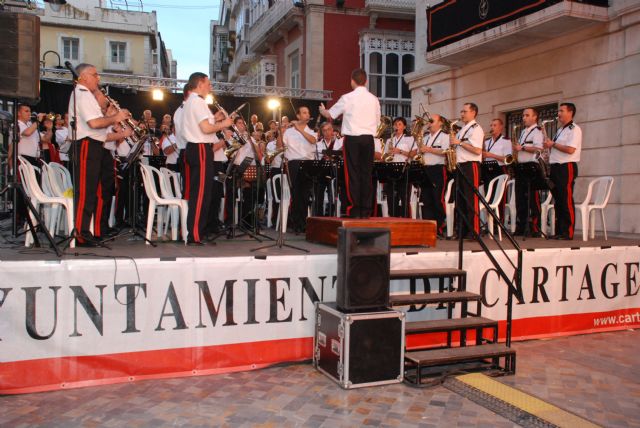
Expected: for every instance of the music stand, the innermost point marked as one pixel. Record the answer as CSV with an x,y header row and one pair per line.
x,y
531,174
391,172
489,170
317,170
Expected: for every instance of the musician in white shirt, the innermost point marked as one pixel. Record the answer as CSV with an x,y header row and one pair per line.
x,y
92,126
434,185
468,145
400,145
328,144
300,142
360,111
199,129
529,142
564,156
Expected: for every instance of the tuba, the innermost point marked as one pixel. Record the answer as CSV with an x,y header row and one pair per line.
x,y
450,156
418,136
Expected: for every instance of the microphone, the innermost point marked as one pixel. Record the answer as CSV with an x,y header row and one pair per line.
x,y
71,69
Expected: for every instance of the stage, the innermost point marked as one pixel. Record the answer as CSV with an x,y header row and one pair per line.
x,y
99,316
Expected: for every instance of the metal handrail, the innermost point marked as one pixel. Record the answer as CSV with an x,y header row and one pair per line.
x,y
512,288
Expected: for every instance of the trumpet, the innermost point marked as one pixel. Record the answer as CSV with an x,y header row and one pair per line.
x,y
511,158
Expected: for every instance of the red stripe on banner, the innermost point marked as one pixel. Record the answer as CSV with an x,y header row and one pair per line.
x,y
572,214
203,169
346,179
98,213
82,183
50,374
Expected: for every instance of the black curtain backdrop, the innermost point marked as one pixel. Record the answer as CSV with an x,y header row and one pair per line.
x,y
453,20
54,97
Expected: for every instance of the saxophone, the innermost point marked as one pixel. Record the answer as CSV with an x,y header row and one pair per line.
x,y
450,157
418,136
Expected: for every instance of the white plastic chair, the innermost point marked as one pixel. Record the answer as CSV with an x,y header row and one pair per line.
x,y
170,189
597,198
548,216
450,208
40,199
413,202
178,207
67,183
283,201
269,201
510,213
336,197
495,191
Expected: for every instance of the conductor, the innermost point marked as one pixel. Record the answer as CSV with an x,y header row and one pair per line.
x,y
360,111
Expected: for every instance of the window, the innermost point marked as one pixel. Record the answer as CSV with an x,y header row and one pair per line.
x,y
386,60
513,122
269,80
118,52
70,48
294,64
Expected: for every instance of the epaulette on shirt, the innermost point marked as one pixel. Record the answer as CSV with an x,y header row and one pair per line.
x,y
571,126
539,128
83,90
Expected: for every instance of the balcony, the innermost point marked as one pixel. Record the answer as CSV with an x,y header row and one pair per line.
x,y
242,61
391,8
549,23
272,23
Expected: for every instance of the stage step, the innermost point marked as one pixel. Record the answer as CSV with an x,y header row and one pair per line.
x,y
433,298
439,357
427,273
445,325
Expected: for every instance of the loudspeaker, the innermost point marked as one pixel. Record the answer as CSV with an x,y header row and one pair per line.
x,y
363,269
19,56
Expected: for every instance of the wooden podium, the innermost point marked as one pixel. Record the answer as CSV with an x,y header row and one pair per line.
x,y
405,232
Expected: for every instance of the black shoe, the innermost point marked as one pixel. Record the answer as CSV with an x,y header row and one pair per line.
x,y
564,237
536,234
110,232
196,243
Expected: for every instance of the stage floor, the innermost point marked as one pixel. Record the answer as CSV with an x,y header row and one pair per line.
x,y
14,250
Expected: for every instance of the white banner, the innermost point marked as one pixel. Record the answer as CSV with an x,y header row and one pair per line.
x,y
152,317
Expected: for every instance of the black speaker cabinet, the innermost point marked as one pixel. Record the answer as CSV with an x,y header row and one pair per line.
x,y
363,269
359,349
19,56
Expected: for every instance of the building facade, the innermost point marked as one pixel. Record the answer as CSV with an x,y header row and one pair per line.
x,y
584,52
315,44
116,40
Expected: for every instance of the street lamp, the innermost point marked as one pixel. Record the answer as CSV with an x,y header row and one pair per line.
x,y
273,104
157,94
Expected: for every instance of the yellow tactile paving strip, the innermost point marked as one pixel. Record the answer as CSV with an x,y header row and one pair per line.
x,y
525,402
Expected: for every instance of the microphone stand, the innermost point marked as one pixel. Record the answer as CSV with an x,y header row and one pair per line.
x,y
280,242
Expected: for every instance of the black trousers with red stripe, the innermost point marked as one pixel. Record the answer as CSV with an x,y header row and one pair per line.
x,y
432,191
105,192
564,176
358,169
466,199
200,160
524,207
87,165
